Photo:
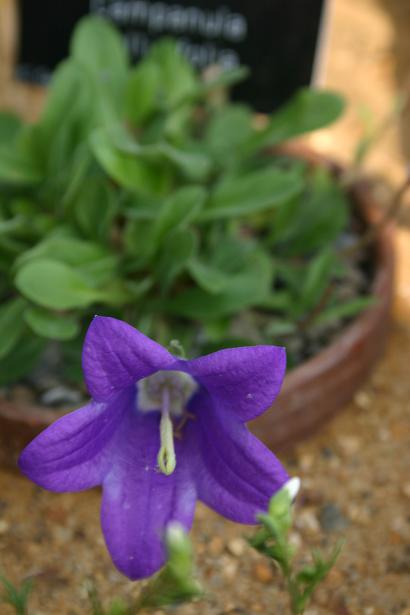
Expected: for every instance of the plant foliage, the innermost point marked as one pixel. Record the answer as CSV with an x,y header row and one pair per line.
x,y
139,194
272,540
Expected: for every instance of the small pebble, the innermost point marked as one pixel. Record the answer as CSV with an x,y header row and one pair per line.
x,y
359,514
331,518
216,545
362,400
236,547
349,445
384,435
295,540
62,534
335,578
306,462
262,572
4,526
307,520
399,524
61,395
406,489
230,569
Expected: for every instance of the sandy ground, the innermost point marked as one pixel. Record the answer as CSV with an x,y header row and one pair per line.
x,y
356,480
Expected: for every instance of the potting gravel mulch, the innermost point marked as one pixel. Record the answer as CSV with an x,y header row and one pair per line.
x,y
356,484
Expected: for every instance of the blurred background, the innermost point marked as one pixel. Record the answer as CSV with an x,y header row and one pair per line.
x,y
355,472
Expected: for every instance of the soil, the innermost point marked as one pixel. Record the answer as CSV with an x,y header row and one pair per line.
x,y
355,473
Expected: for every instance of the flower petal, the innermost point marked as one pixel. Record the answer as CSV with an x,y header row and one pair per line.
x,y
115,355
235,474
244,381
73,453
138,501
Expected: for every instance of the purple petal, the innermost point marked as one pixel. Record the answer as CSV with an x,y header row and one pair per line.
x,y
138,501
115,355
244,381
235,474
74,452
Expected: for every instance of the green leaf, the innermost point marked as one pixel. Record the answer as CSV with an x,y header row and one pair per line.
x,y
91,260
307,110
209,278
177,249
9,127
277,328
16,170
177,76
11,324
138,243
100,48
224,79
312,220
141,90
229,127
179,210
72,97
130,171
17,597
192,163
317,278
50,325
278,301
344,310
115,293
21,360
95,206
309,577
81,164
252,193
245,288
55,285
68,250
101,272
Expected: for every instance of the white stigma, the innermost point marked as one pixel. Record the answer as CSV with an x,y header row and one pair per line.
x,y
168,392
166,456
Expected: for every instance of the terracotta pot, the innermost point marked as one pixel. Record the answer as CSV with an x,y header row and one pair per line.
x,y
319,388
312,393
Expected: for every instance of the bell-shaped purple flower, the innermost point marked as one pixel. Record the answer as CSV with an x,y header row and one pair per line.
x,y
160,433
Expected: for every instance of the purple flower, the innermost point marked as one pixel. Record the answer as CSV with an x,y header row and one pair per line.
x,y
160,433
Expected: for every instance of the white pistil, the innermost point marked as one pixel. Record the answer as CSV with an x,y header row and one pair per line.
x,y
166,456
169,392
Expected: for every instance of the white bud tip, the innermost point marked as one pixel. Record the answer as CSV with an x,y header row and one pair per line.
x,y
292,487
175,532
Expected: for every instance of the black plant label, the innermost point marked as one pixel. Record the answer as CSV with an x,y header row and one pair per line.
x,y
276,39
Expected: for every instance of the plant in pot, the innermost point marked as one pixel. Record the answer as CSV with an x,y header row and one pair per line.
x,y
143,194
